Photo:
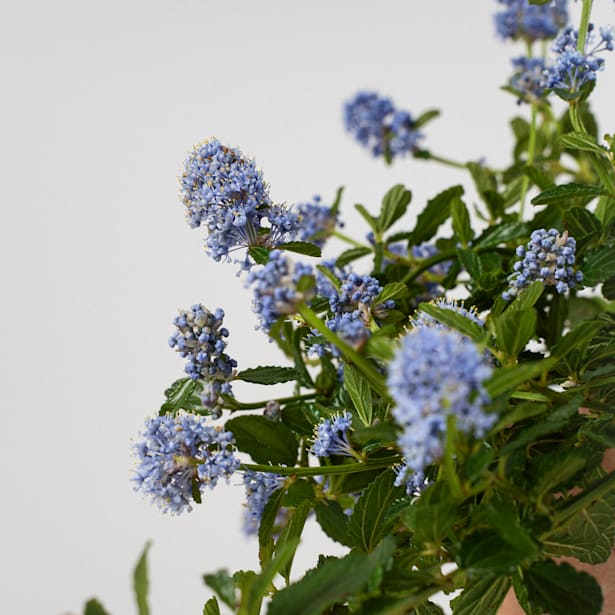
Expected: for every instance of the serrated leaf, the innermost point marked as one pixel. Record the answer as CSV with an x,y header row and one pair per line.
x,y
433,514
454,320
394,205
351,255
486,552
268,374
471,262
576,338
94,607
394,290
223,584
371,220
360,393
333,521
259,254
140,582
561,590
264,440
462,225
211,607
179,396
587,536
481,596
580,141
332,581
502,233
367,525
599,265
528,296
567,192
507,378
291,535
435,213
582,225
300,247
514,329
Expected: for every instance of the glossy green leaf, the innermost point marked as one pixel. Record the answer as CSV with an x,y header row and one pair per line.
x,y
181,396
583,142
435,213
599,265
394,206
502,233
507,378
264,440
300,247
268,374
433,514
486,552
94,607
514,329
291,535
453,319
582,225
224,586
350,255
461,221
371,220
259,254
394,290
481,596
424,118
368,523
140,583
333,521
360,393
567,192
268,525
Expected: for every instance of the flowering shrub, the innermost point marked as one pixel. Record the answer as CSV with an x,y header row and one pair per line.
x,y
439,439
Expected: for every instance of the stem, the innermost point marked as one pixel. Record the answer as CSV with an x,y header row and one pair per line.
x,y
426,155
449,460
584,26
350,240
253,405
427,263
346,468
361,363
531,150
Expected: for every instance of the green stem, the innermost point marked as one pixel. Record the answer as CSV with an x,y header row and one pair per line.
x,y
584,26
531,151
449,459
253,405
427,263
360,362
350,240
426,155
346,468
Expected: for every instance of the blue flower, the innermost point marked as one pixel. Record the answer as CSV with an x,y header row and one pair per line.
x,y
529,79
178,456
275,288
379,126
259,487
331,436
520,19
548,258
437,372
316,221
573,69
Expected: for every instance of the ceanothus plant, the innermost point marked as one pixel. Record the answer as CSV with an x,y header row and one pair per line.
x,y
450,445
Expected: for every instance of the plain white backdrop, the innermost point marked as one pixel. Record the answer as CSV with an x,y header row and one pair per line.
x,y
100,103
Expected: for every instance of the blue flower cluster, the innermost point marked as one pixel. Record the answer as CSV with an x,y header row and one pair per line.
x,y
275,288
178,456
331,436
378,125
435,373
316,221
259,488
573,69
422,319
520,19
549,258
224,192
528,80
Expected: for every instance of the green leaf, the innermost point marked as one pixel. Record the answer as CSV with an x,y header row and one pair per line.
x,y
576,338
333,521
514,329
373,222
360,393
394,205
471,263
461,221
211,607
264,440
300,247
259,254
351,255
608,288
435,213
599,265
567,192
520,412
268,374
507,378
587,536
605,210
502,233
223,584
335,206
140,582
486,552
453,319
487,187
94,607
267,525
562,590
583,142
331,582
481,596
528,296
180,396
368,524
394,290
433,514
291,535
425,117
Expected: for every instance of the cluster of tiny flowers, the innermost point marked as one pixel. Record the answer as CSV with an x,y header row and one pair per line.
x,y
178,455
200,337
259,487
436,372
376,124
520,19
573,69
275,288
549,258
316,221
528,80
331,436
422,319
225,193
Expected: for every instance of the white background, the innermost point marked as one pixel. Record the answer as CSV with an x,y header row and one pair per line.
x,y
100,103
